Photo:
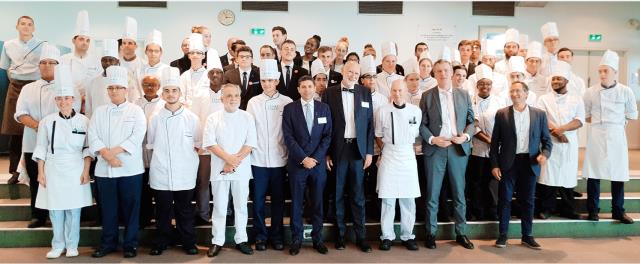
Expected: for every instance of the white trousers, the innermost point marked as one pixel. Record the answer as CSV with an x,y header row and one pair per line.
x,y
66,228
240,193
407,219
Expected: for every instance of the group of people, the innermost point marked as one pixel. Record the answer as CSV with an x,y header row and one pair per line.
x,y
329,129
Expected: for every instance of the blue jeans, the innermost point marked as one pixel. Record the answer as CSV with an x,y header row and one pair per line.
x,y
66,228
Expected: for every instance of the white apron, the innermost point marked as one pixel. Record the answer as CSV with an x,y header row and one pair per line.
x,y
607,155
398,172
562,166
64,191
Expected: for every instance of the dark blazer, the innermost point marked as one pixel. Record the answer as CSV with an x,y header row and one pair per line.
x,y
504,140
291,89
335,78
471,69
299,142
432,118
253,87
183,64
229,67
399,69
224,60
299,60
363,119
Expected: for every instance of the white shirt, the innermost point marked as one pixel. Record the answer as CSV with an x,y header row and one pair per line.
x,y
83,70
304,107
204,105
448,113
96,95
230,131
611,106
189,82
537,84
414,98
348,109
121,125
484,111
522,120
173,137
37,100
384,81
427,83
149,108
562,108
248,71
398,126
377,100
22,59
284,72
270,151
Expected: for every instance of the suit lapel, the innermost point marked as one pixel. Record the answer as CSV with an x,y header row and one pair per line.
x,y
338,95
531,118
512,122
436,102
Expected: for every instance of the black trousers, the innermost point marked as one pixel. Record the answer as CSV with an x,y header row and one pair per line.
x,y
549,204
15,151
178,202
481,189
370,194
146,201
32,171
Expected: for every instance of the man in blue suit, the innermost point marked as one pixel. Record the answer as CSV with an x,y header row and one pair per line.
x,y
351,148
520,143
307,134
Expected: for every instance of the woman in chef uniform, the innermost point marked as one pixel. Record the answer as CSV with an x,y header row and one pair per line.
x,y
63,167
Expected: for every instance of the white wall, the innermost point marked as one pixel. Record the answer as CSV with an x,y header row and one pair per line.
x,y
55,22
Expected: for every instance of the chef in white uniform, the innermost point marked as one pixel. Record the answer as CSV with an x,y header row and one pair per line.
x,y
269,158
411,64
576,84
116,133
511,48
205,104
84,67
154,66
551,37
36,101
482,190
388,74
516,72
190,79
608,106
524,45
565,114
230,135
173,136
130,60
95,94
500,83
63,166
397,126
537,82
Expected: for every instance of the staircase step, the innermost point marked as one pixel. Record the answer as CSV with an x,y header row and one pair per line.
x,y
15,234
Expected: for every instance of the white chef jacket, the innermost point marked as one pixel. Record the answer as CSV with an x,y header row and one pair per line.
x,y
133,66
549,60
204,105
121,125
501,67
37,99
189,81
96,95
606,155
173,137
270,151
562,166
499,85
230,131
398,171
538,84
414,99
136,90
384,81
484,113
83,70
377,100
149,108
22,59
427,83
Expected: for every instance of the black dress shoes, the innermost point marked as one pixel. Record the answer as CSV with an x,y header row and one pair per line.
x,y
35,223
364,247
543,215
464,241
430,243
130,253
261,245
101,253
385,244
13,179
244,248
501,242
593,217
277,245
190,250
214,250
321,248
623,218
531,243
295,248
410,244
340,245
157,251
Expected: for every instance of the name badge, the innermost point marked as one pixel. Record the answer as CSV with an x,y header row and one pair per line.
x,y
365,104
322,120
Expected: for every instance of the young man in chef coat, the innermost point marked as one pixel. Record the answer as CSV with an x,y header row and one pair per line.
x,y
565,114
190,79
154,66
608,107
173,135
116,132
230,135
95,94
269,158
397,126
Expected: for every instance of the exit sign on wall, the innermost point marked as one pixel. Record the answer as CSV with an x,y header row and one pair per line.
x,y
595,37
257,31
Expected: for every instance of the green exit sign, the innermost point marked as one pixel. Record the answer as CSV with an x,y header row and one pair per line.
x,y
595,37
257,31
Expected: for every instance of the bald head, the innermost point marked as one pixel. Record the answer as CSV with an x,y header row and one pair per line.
x,y
230,42
398,91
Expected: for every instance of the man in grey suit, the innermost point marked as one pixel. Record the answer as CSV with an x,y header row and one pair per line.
x,y
447,126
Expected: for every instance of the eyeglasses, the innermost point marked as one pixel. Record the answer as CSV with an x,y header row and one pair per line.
x,y
149,85
196,52
115,88
245,56
48,63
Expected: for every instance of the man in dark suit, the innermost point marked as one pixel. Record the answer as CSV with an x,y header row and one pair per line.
x,y
233,63
351,149
465,47
279,36
447,126
520,143
247,76
288,84
184,63
325,54
306,128
226,58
